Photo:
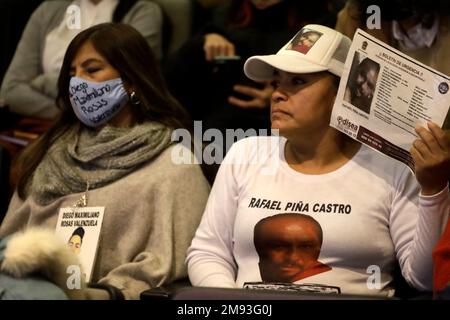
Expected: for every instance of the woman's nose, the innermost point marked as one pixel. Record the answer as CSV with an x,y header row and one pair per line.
x,y
78,73
278,95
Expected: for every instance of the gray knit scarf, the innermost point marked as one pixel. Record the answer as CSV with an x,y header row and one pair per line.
x,y
97,157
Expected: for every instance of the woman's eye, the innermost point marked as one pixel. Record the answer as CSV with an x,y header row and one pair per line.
x,y
298,81
92,70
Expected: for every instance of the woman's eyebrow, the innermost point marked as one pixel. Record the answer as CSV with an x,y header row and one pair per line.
x,y
89,61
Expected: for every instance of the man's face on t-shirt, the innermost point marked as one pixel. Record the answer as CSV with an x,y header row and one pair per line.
x,y
289,246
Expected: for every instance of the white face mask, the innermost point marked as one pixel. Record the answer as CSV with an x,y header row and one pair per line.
x,y
95,103
416,37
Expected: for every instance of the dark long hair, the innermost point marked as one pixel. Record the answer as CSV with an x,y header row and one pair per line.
x,y
128,52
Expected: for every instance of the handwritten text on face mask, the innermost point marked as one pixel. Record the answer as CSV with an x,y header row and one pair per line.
x,y
94,93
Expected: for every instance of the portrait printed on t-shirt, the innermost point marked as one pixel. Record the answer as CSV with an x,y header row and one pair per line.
x,y
288,246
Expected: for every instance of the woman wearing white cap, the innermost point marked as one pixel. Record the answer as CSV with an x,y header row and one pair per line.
x,y
371,209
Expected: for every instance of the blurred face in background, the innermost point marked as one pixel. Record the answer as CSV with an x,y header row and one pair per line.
x,y
264,4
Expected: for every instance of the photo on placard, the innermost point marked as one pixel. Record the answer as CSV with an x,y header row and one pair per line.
x,y
362,82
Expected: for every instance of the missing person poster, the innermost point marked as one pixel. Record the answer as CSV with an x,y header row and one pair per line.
x,y
80,228
384,94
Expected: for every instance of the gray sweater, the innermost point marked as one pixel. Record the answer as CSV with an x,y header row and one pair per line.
x,y
150,219
30,92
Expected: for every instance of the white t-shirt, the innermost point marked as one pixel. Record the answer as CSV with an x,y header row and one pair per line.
x,y
369,210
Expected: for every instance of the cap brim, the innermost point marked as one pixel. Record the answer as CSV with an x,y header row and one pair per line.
x,y
261,68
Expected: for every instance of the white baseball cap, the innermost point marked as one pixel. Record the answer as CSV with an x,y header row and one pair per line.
x,y
314,48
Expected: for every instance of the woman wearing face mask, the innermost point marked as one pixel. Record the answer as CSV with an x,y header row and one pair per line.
x,y
29,86
419,28
111,147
